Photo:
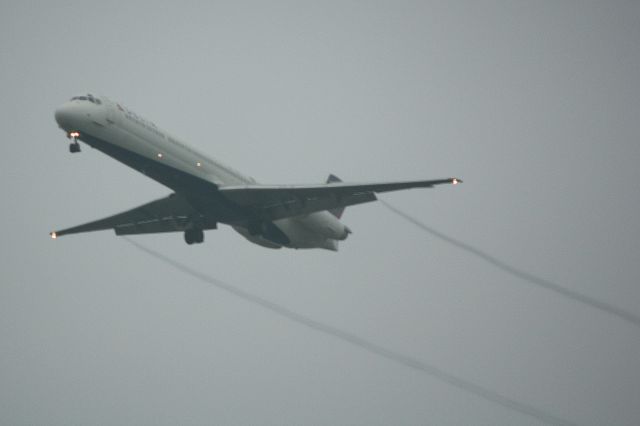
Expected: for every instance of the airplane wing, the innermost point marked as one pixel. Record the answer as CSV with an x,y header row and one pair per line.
x,y
272,202
264,202
172,213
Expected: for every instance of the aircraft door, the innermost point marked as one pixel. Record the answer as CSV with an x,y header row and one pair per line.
x,y
112,113
98,113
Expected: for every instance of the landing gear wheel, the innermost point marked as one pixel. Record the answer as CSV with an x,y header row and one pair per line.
x,y
189,237
74,147
193,236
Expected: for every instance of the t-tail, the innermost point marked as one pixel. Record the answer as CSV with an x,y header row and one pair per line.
x,y
337,212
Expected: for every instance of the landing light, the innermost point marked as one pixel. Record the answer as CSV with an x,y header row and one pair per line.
x,y
160,155
53,235
74,134
198,164
455,181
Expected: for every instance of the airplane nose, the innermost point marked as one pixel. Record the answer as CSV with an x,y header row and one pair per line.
x,y
67,116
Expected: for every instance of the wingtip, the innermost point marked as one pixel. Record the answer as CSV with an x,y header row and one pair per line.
x,y
53,235
456,181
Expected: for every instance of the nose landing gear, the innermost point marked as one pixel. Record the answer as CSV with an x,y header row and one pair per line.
x,y
74,146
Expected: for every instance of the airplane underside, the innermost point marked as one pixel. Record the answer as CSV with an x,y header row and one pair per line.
x,y
206,206
206,192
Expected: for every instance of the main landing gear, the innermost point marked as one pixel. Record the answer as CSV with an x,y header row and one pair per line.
x,y
74,146
193,236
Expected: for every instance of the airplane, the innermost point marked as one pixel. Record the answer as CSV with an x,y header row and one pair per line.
x,y
207,192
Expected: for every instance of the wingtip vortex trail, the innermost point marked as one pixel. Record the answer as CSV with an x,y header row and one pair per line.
x,y
369,346
523,275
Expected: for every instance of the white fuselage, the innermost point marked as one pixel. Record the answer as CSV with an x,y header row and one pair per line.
x,y
110,122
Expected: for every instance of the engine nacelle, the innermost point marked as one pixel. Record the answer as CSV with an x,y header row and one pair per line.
x,y
327,225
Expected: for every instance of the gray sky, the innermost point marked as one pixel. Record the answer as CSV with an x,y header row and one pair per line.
x,y
536,105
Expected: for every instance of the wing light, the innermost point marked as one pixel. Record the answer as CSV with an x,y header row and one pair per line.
x,y
53,235
455,181
74,134
160,155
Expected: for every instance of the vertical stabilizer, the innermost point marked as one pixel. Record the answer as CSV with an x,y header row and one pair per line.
x,y
337,212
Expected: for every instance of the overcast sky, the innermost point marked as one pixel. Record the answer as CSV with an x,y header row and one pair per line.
x,y
536,105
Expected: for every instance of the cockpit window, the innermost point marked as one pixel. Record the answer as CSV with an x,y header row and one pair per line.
x,y
89,98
